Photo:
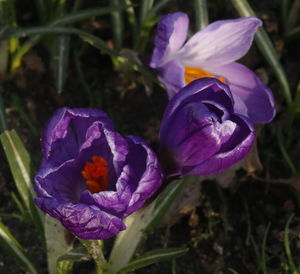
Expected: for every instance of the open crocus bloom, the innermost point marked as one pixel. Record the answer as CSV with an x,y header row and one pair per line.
x,y
91,177
201,133
211,52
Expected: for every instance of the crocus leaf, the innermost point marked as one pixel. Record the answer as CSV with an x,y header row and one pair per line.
x,y
56,246
76,254
86,14
265,45
117,23
144,220
60,59
9,243
20,165
201,14
152,257
3,125
4,52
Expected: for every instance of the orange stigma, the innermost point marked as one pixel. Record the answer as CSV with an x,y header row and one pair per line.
x,y
96,175
191,74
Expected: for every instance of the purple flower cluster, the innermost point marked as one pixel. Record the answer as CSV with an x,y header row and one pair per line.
x,y
91,177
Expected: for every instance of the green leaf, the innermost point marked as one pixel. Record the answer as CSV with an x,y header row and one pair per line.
x,y
117,24
3,125
20,166
287,247
9,243
153,257
85,36
4,52
86,14
61,60
265,45
201,13
59,241
143,221
75,255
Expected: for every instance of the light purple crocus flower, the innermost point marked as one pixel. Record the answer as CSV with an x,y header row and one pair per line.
x,y
91,177
212,52
201,133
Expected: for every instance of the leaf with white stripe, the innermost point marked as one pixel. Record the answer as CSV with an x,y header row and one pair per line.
x,y
10,244
20,166
153,257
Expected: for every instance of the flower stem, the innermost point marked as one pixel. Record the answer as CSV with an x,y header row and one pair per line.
x,y
94,248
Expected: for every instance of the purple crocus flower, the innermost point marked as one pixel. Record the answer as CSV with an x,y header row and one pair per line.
x,y
201,133
211,52
91,177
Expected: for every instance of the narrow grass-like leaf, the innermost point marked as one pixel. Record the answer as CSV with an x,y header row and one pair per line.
x,y
4,53
293,33
284,11
157,7
132,19
3,125
164,202
86,14
293,16
61,60
59,241
117,23
66,19
201,14
145,7
20,206
284,153
20,165
141,222
22,50
149,20
265,45
9,243
75,255
153,257
292,267
263,250
87,37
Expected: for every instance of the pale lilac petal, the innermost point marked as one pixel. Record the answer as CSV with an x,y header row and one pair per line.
x,y
221,42
252,98
172,76
170,35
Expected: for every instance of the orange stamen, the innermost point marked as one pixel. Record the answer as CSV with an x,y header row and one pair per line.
x,y
96,174
191,74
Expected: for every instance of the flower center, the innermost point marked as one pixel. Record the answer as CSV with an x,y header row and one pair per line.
x,y
96,174
191,74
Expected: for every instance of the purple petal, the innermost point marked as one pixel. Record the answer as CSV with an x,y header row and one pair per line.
x,y
170,35
66,130
232,151
151,177
198,88
221,42
252,98
86,222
